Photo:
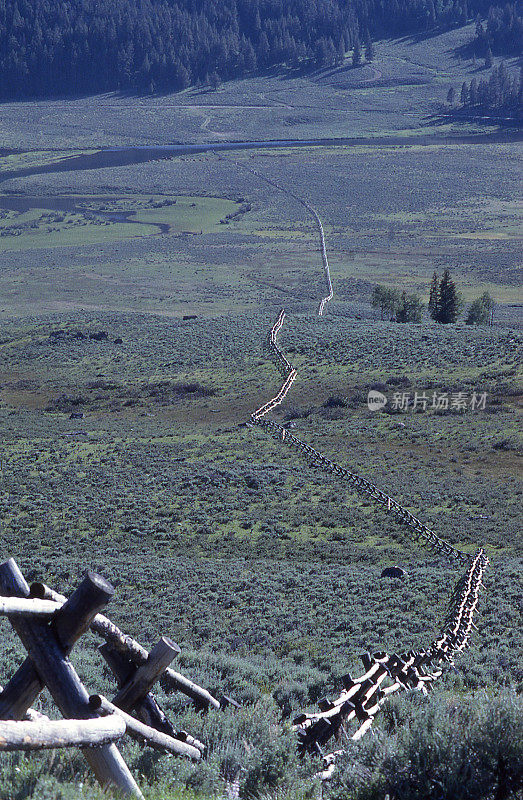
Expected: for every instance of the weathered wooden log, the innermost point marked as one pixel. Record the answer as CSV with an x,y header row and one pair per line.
x,y
183,736
46,734
138,730
101,625
228,702
64,685
327,773
31,714
20,606
144,677
170,680
76,615
147,708
362,730
69,623
175,681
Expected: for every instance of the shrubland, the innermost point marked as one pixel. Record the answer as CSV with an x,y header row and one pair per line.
x,y
265,573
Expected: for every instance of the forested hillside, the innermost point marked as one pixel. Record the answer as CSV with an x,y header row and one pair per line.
x,y
503,32
60,47
500,92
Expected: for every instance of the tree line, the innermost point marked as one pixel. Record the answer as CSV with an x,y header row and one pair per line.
x,y
502,34
445,304
501,92
60,47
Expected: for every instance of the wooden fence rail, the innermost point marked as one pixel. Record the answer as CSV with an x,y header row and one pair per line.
x,y
46,734
363,697
323,248
101,625
318,460
49,625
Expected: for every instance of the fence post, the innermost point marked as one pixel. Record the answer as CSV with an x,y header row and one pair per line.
x,y
69,623
146,707
171,680
141,682
65,687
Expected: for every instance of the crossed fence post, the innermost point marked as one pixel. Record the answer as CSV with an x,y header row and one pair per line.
x,y
48,664
49,625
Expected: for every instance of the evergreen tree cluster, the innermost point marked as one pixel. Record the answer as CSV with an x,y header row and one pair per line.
x,y
503,32
445,303
501,92
59,47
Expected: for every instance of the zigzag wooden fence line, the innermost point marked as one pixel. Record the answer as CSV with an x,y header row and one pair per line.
x,y
49,625
311,210
423,533
363,697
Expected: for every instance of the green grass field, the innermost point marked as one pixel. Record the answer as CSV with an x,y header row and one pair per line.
x,y
265,572
97,224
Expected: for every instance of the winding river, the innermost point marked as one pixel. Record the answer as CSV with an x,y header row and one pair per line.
x,y
125,156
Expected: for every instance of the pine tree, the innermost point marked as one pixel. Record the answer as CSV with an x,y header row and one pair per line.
x,y
451,96
434,297
340,51
473,92
488,58
214,80
356,54
449,306
263,49
480,33
369,47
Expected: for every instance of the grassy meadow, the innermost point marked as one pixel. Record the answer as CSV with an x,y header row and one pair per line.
x,y
266,573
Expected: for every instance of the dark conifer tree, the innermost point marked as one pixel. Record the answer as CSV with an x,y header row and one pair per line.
x,y
473,92
449,305
369,50
356,54
501,93
434,297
